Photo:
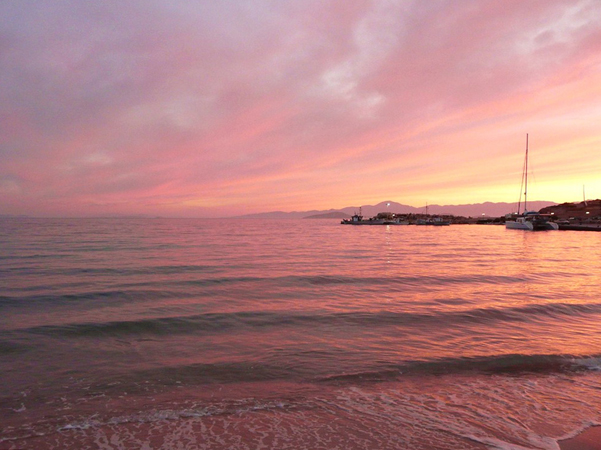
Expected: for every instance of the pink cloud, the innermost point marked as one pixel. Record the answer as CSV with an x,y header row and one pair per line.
x,y
188,109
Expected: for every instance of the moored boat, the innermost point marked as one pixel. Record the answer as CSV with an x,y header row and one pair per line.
x,y
435,221
356,219
528,220
385,218
531,221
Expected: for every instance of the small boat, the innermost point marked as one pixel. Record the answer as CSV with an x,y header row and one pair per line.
x,y
356,219
438,222
528,220
385,218
435,221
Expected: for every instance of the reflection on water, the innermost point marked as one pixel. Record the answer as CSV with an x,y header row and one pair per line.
x,y
105,324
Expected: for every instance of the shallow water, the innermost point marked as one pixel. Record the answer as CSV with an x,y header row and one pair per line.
x,y
125,333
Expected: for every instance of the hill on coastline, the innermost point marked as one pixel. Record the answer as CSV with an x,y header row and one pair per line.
x,y
329,215
582,210
468,210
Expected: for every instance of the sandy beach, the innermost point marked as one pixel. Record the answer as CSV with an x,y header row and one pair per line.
x,y
589,439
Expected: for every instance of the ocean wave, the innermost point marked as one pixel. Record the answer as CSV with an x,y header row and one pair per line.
x,y
9,348
410,280
222,408
221,322
179,282
221,372
495,364
261,371
106,297
114,271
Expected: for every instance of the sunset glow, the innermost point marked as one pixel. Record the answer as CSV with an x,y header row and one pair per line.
x,y
206,109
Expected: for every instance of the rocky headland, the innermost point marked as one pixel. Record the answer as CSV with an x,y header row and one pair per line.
x,y
583,211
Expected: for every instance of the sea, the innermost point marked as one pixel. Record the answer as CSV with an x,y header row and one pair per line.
x,y
295,334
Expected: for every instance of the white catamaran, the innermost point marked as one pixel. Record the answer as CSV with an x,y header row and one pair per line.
x,y
528,220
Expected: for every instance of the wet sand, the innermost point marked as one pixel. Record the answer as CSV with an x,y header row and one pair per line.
x,y
589,439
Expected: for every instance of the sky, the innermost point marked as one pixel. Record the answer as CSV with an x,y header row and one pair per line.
x,y
217,108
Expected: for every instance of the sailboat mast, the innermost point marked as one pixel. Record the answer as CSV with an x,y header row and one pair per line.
x,y
526,178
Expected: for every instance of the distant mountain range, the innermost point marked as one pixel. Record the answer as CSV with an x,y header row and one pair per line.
x,y
471,210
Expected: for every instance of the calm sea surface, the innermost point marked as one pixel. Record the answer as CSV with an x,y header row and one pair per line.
x,y
250,334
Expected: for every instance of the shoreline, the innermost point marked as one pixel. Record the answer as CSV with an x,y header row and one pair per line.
x,y
588,439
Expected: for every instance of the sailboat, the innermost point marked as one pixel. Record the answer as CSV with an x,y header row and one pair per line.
x,y
528,220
